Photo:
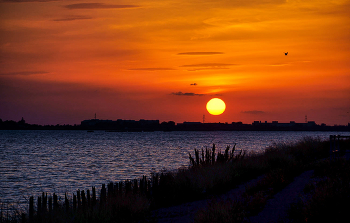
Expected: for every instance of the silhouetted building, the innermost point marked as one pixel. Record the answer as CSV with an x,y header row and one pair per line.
x,y
121,125
154,125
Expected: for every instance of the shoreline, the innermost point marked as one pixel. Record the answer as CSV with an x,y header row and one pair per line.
x,y
160,186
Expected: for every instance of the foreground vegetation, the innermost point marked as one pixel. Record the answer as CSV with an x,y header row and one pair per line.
x,y
327,196
210,173
325,200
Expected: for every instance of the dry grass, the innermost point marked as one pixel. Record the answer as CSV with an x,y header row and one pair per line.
x,y
280,163
327,199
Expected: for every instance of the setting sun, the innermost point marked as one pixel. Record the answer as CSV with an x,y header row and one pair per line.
x,y
122,59
216,106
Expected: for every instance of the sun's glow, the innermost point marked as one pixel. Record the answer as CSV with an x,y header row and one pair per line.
x,y
126,55
216,106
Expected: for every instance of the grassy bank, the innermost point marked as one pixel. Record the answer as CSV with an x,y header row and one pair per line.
x,y
211,172
327,197
281,164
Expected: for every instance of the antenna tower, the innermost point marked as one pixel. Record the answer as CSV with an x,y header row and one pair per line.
x,y
305,118
95,115
203,118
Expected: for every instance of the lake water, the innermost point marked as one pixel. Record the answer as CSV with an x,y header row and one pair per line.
x,y
32,162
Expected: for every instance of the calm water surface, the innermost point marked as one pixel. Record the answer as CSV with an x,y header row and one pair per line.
x,y
32,162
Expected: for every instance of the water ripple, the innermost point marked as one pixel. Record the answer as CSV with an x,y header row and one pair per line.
x,y
32,162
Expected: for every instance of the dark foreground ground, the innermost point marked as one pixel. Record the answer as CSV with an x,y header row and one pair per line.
x,y
275,209
278,208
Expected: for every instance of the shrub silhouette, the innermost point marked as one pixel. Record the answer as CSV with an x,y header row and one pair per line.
x,y
209,158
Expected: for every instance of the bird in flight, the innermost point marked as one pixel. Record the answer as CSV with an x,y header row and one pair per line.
x,y
286,54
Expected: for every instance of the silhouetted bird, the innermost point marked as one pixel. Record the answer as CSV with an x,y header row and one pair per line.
x,y
194,84
286,54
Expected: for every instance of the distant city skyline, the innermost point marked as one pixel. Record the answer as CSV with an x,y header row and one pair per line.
x,y
202,120
63,61
143,125
95,119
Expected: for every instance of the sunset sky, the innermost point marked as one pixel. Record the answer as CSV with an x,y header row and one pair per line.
x,y
63,61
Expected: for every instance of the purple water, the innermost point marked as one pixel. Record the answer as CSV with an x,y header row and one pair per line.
x,y
32,162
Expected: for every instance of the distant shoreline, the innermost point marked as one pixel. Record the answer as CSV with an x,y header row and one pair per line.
x,y
154,125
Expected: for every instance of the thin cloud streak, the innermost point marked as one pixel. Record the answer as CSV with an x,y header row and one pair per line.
x,y
211,68
186,94
153,69
199,53
98,6
72,18
208,65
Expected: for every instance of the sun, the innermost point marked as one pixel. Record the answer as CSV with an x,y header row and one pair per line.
x,y
216,106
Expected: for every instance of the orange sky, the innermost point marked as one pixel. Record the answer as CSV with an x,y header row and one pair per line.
x,y
63,61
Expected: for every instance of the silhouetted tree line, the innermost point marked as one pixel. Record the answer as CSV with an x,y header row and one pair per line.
x,y
154,125
22,125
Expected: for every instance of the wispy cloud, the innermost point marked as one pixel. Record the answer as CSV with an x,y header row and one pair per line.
x,y
213,65
72,18
186,94
98,6
199,53
253,112
23,73
245,3
153,68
